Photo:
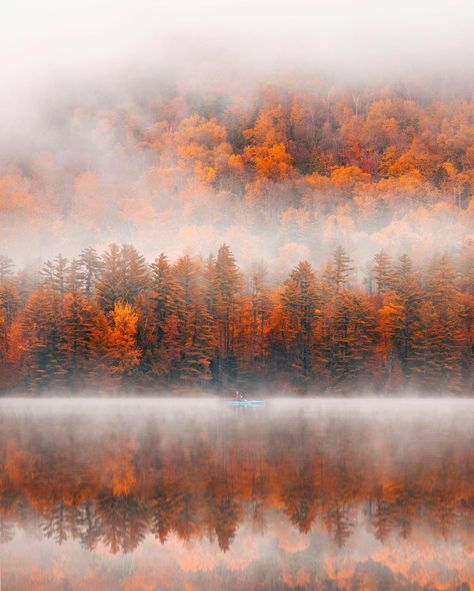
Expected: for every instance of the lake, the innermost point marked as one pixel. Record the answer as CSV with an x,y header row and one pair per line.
x,y
146,494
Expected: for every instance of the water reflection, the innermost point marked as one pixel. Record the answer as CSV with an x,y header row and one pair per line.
x,y
190,495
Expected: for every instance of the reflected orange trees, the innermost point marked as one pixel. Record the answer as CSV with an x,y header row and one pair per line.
x,y
118,483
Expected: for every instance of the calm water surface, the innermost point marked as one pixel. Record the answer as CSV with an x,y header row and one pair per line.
x,y
149,495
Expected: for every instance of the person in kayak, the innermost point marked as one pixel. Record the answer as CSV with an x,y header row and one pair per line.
x,y
239,396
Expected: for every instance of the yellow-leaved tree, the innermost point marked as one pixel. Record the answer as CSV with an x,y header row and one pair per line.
x,y
123,352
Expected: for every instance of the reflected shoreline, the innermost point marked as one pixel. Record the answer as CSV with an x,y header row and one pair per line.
x,y
319,490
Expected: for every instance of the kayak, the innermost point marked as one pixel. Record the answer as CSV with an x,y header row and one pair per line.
x,y
245,403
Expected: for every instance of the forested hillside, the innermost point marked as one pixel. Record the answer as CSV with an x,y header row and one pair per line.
x,y
349,211
285,170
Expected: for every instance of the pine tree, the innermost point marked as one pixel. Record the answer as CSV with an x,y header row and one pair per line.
x,y
123,277
91,266
99,370
136,277
73,282
300,300
440,283
6,268
199,346
341,268
108,285
186,273
424,358
383,272
210,281
348,346
10,302
54,274
42,329
77,337
165,290
168,302
261,306
447,302
407,303
227,286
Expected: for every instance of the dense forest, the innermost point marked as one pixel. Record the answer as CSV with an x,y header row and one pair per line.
x,y
285,166
115,321
297,173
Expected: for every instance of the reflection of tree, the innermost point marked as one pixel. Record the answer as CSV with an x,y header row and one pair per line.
x,y
186,522
339,523
9,501
115,487
405,511
123,521
299,498
382,520
227,521
89,526
6,529
162,509
61,522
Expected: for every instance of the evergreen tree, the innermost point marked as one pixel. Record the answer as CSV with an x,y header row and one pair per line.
x,y
300,300
341,268
77,338
168,302
54,274
42,328
10,301
424,358
227,286
383,272
135,273
166,293
448,302
348,346
123,277
440,284
6,268
108,286
261,307
407,303
73,283
199,346
91,266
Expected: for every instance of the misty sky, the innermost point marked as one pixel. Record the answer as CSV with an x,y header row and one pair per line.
x,y
52,42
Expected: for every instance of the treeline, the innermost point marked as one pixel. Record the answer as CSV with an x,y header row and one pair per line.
x,y
114,320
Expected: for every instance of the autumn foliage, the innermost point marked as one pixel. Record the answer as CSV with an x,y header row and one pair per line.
x,y
115,321
295,171
287,156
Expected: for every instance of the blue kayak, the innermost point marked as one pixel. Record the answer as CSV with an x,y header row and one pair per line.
x,y
245,403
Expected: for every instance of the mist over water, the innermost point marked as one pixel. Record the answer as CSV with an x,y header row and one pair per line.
x,y
190,493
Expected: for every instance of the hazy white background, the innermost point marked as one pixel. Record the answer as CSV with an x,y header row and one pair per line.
x,y
50,43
